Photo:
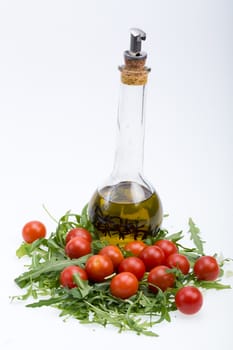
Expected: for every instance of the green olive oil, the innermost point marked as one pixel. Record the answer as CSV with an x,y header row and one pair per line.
x,y
125,212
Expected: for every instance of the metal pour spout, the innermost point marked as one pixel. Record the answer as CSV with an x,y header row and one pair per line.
x,y
136,37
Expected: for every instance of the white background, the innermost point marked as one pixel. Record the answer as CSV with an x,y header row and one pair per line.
x,y
59,88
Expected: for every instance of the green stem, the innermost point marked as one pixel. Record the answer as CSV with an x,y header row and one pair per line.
x,y
49,214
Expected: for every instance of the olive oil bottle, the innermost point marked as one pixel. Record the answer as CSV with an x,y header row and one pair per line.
x,y
126,206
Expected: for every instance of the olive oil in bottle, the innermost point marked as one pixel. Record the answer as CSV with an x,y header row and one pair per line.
x,y
126,207
125,212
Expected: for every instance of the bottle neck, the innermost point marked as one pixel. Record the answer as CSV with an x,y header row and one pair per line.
x,y
128,163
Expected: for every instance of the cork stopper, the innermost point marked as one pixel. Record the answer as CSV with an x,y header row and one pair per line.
x,y
134,71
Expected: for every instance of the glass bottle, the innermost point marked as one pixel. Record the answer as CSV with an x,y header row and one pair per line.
x,y
126,207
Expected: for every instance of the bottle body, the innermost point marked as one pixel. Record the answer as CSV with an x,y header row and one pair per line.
x,y
126,207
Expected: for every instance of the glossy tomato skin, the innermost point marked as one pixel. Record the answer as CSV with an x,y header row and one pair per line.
x,y
134,265
77,247
66,276
152,256
159,277
179,261
98,267
188,300
168,247
124,285
33,230
135,247
78,232
114,253
206,268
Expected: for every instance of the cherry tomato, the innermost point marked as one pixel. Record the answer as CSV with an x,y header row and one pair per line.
x,y
134,265
168,247
135,247
152,256
188,300
124,285
66,276
159,277
98,267
33,230
179,261
78,232
77,247
206,268
114,253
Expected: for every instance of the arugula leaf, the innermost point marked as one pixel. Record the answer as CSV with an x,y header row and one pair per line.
x,y
28,248
83,287
195,236
212,285
175,237
46,267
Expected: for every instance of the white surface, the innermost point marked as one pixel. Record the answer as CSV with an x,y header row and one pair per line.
x,y
58,102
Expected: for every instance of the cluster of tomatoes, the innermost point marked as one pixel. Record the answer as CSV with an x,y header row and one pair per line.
x,y
127,270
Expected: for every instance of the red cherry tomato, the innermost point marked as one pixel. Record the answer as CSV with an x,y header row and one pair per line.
x,y
78,232
152,256
179,261
114,253
124,285
77,247
98,267
134,265
206,268
135,247
33,230
168,247
66,276
188,300
159,277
